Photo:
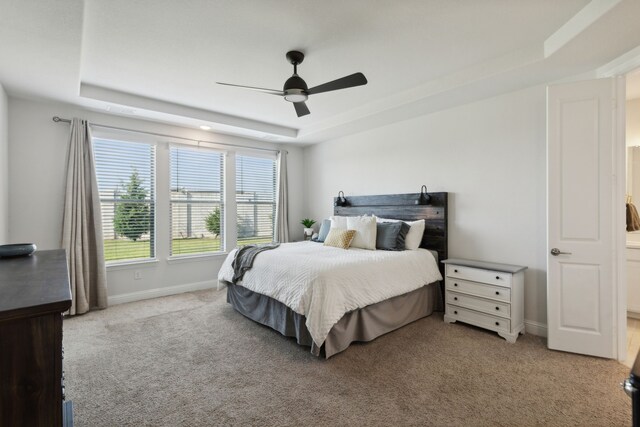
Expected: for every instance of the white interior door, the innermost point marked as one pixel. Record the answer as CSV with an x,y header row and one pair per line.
x,y
582,197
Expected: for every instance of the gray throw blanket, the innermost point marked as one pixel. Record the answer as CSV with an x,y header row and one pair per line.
x,y
243,260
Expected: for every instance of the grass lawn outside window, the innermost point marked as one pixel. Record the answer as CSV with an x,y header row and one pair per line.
x,y
120,249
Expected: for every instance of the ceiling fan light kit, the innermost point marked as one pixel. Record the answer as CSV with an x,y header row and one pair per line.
x,y
295,95
295,89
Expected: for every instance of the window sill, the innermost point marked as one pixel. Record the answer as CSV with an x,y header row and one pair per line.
x,y
124,265
195,257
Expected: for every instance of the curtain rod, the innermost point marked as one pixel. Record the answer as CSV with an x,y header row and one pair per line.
x,y
59,119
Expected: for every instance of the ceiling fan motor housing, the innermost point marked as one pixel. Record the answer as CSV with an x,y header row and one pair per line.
x,y
295,89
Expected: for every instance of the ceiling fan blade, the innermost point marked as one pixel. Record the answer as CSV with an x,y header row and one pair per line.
x,y
259,89
301,108
356,79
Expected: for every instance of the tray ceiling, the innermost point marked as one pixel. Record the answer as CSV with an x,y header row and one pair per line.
x,y
160,59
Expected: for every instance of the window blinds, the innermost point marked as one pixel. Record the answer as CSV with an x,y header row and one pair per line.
x,y
126,183
196,200
255,198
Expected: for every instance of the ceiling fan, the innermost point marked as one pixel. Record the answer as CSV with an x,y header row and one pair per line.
x,y
295,89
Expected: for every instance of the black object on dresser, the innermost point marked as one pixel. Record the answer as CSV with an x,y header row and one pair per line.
x,y
34,292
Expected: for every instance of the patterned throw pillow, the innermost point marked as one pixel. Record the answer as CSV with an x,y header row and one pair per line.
x,y
339,238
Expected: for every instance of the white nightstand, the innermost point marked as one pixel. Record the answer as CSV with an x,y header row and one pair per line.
x,y
485,294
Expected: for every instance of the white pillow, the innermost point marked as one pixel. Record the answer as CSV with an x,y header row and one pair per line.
x,y
366,229
338,222
414,236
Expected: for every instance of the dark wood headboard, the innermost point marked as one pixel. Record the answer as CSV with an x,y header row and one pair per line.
x,y
404,207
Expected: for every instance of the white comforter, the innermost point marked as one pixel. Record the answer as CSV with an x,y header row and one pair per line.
x,y
323,283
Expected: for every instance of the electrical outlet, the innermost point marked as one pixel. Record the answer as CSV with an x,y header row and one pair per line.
x,y
137,275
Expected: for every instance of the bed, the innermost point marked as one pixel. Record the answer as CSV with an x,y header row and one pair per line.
x,y
326,298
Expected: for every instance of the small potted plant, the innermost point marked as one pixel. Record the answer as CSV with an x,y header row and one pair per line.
x,y
308,231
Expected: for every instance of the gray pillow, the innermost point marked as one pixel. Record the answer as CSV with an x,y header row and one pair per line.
x,y
402,235
324,230
390,236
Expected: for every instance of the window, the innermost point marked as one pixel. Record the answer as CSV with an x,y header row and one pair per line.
x,y
185,215
126,183
196,200
255,198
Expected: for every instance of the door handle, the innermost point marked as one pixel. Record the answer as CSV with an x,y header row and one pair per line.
x,y
556,252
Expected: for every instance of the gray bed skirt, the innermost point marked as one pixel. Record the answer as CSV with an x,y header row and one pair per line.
x,y
364,324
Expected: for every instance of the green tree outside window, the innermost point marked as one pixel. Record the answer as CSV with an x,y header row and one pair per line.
x,y
132,217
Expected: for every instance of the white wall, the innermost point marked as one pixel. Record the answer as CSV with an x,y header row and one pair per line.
x,y
632,122
37,158
4,167
632,139
489,156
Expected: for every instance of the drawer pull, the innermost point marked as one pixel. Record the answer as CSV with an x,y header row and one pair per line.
x,y
455,312
455,271
455,284
497,323
455,298
497,293
497,308
497,277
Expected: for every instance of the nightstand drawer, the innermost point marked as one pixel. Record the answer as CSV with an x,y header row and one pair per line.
x,y
479,319
479,304
478,275
479,289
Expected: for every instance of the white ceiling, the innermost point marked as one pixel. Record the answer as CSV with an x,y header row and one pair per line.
x,y
160,59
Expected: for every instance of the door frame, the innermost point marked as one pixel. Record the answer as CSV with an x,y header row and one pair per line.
x,y
620,219
619,68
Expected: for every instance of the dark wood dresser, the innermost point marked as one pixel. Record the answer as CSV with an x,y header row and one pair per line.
x,y
34,292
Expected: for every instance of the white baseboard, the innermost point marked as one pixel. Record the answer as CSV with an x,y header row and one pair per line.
x,y
161,292
535,328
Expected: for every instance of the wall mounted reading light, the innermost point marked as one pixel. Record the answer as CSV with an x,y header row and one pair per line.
x,y
340,200
424,198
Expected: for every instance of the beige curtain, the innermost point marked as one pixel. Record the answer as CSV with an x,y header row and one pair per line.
x,y
282,208
82,227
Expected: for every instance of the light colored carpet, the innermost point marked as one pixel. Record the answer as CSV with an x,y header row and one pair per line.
x,y
191,360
